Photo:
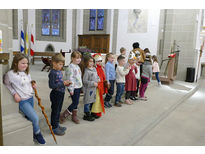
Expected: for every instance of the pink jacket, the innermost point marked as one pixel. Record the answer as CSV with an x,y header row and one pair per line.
x,y
155,67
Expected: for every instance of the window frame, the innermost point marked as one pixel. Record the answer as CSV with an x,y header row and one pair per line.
x,y
62,29
96,19
50,22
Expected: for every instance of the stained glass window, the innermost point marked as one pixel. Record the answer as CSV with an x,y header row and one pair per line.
x,y
45,22
56,22
92,19
100,21
51,22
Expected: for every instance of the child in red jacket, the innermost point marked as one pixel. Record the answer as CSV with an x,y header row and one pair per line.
x,y
130,79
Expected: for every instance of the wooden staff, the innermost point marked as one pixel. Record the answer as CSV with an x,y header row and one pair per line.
x,y
201,50
43,111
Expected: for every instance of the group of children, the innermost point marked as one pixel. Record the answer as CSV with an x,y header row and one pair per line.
x,y
95,81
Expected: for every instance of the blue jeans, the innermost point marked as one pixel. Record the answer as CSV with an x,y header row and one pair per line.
x,y
120,91
157,76
26,106
56,98
108,96
88,107
75,100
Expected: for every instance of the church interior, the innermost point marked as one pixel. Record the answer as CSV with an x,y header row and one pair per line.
x,y
173,114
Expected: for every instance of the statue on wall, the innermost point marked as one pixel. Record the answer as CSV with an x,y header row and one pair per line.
x,y
137,21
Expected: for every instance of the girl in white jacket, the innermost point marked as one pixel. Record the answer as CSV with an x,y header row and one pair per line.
x,y
155,69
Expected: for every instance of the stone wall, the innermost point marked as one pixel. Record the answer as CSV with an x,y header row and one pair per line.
x,y
14,125
180,26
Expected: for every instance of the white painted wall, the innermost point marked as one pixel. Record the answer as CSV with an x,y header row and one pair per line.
x,y
110,18
16,42
41,45
79,25
146,40
199,41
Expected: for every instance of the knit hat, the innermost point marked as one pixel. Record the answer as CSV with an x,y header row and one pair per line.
x,y
97,57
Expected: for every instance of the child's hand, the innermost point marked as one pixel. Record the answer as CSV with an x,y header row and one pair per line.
x,y
109,85
67,83
17,98
71,93
95,84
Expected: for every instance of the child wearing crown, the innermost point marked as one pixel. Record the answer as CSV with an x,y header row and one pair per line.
x,y
130,79
98,106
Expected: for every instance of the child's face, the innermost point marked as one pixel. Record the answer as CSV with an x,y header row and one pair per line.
x,y
22,65
111,58
121,62
58,66
90,63
131,61
123,52
76,60
99,62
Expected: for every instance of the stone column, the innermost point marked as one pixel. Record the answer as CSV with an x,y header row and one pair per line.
x,y
6,28
181,26
16,129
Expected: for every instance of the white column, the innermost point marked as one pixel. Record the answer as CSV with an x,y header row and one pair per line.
x,y
79,24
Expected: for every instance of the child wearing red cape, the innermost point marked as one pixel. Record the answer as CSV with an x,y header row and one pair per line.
x,y
98,106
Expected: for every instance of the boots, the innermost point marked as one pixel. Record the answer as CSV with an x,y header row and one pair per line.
x,y
88,117
64,115
74,116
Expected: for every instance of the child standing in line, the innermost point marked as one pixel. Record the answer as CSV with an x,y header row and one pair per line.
x,y
98,106
123,51
110,77
73,74
146,76
155,69
137,75
18,81
121,72
130,80
57,85
136,47
90,83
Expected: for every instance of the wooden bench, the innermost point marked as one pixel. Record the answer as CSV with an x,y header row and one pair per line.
x,y
38,55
